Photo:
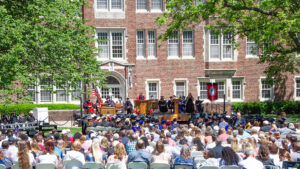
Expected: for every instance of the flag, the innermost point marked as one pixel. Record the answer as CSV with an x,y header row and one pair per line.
x,y
212,91
96,92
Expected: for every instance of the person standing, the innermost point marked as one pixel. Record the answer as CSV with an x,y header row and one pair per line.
x,y
163,106
171,104
189,102
128,106
140,97
198,103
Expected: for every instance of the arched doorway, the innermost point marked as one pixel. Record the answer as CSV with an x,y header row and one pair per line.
x,y
115,88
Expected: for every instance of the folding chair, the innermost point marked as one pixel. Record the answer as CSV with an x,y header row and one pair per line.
x,y
159,166
137,165
45,166
92,165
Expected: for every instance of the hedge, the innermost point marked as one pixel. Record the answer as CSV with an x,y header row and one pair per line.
x,y
18,108
290,107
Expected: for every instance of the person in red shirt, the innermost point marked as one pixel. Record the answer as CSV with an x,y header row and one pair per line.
x,y
140,97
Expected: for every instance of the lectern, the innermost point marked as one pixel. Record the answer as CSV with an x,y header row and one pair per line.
x,y
141,106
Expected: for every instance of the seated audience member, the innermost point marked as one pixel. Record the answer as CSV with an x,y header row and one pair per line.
x,y
229,157
284,156
148,148
296,151
95,154
159,155
173,151
223,135
75,154
119,156
140,154
218,148
2,160
210,160
250,162
274,154
48,155
185,157
198,146
264,155
25,158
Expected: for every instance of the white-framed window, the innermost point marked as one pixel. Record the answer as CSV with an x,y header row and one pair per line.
x,y
180,88
61,94
153,90
297,88
111,44
173,46
237,89
221,89
140,43
105,93
266,90
156,5
32,92
109,5
187,44
46,95
151,44
203,89
142,5
221,47
251,48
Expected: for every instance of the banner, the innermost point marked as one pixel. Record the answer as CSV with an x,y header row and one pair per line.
x,y
20,126
212,91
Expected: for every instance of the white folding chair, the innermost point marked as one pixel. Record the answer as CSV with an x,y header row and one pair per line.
x,y
72,163
15,166
229,167
2,166
271,167
209,167
92,165
137,165
159,166
113,165
187,166
45,166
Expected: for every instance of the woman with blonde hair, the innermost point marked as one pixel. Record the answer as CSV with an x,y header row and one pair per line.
x,y
185,157
119,156
25,158
284,156
235,145
61,145
159,155
95,155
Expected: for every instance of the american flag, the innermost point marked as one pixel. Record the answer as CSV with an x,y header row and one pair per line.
x,y
96,92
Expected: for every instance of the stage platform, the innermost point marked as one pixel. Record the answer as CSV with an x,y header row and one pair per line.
x,y
171,116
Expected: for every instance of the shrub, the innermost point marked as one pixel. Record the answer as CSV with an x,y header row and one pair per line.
x,y
18,108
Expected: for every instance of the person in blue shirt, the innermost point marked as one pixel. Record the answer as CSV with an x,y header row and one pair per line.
x,y
185,157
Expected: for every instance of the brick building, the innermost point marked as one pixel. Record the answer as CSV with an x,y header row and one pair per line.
x,y
139,63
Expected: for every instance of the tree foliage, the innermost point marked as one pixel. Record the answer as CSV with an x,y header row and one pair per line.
x,y
273,24
45,39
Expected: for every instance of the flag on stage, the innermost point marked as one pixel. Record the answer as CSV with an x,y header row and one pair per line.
x,y
96,92
212,91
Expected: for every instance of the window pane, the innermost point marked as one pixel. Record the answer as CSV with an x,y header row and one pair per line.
x,y
115,92
236,89
151,43
46,96
103,45
173,46
140,44
251,47
153,90
61,95
116,4
156,4
187,46
117,45
105,93
266,89
227,46
215,51
203,90
180,89
221,90
102,4
141,4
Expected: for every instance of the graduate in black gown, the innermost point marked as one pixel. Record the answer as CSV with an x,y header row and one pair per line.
x,y
171,104
198,103
189,102
163,105
128,106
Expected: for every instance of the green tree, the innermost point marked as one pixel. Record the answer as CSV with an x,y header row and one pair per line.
x,y
45,39
273,24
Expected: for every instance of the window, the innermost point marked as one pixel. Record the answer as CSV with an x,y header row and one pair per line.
x,y
173,47
140,44
251,49
110,45
187,43
45,92
115,92
153,90
221,89
180,89
110,4
151,44
221,46
61,94
236,89
156,5
104,93
298,87
203,89
141,4
31,92
266,90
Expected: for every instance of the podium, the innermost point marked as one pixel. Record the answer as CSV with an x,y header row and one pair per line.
x,y
107,110
141,105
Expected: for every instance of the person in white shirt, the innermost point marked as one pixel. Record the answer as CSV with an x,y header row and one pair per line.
x,y
274,154
74,154
48,155
210,159
250,162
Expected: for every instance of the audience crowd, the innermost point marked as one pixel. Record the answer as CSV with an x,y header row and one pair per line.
x,y
169,142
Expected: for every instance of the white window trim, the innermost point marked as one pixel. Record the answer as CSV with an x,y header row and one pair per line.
x,y
205,79
186,83
109,31
193,46
260,89
144,44
295,89
147,87
178,44
250,56
242,79
152,57
221,59
156,10
141,10
109,9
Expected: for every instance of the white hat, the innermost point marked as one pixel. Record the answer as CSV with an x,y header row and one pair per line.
x,y
216,128
93,135
266,122
63,131
116,136
291,126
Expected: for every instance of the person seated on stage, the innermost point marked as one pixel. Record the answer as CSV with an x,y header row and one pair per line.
x,y
140,97
189,102
109,102
163,106
198,103
182,104
22,118
171,104
5,119
30,117
13,118
128,106
89,106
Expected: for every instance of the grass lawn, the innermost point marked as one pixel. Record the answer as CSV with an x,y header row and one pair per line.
x,y
72,129
292,118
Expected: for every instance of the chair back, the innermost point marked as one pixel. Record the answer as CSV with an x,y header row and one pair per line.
x,y
45,166
72,163
290,165
15,166
92,165
187,166
229,167
113,165
159,166
137,165
271,167
209,167
197,154
2,166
